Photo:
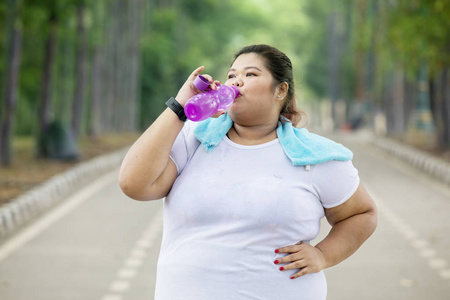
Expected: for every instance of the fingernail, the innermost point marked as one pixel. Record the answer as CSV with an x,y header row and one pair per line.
x,y
277,251
276,262
292,277
281,268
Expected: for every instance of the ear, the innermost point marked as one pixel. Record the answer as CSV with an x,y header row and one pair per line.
x,y
282,91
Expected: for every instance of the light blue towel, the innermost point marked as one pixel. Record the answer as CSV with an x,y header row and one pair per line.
x,y
299,145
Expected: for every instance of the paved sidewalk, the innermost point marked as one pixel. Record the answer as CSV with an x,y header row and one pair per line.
x,y
40,198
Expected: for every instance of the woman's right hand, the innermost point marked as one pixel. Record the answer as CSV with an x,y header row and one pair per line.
x,y
189,90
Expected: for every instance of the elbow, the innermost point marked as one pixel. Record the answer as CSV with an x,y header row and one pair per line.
x,y
374,218
132,191
138,192
371,220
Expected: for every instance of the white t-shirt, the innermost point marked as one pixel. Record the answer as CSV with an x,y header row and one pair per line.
x,y
231,208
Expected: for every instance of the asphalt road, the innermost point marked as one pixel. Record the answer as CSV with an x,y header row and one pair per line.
x,y
100,245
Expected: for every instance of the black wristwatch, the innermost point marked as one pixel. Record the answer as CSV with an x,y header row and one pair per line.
x,y
173,104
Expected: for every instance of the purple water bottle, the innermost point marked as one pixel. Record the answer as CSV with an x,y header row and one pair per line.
x,y
202,106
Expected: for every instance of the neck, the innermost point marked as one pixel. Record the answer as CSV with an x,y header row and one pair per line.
x,y
253,135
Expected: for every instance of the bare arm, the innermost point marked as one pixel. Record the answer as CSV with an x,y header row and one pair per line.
x,y
147,172
352,224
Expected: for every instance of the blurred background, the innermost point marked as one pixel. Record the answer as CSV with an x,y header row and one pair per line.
x,y
82,78
77,74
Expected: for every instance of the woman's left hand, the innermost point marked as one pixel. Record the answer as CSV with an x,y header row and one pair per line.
x,y
303,256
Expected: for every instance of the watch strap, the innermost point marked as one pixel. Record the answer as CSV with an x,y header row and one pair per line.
x,y
176,107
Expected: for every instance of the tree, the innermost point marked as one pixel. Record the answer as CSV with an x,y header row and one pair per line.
x,y
81,70
45,109
12,62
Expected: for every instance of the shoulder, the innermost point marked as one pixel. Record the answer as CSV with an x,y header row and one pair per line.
x,y
334,168
334,181
305,148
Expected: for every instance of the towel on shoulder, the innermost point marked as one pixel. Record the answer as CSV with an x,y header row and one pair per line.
x,y
299,145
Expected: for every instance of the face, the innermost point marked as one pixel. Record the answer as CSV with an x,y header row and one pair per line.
x,y
257,102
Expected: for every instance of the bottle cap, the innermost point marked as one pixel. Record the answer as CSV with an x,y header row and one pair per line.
x,y
201,83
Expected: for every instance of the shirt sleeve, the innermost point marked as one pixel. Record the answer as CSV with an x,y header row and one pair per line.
x,y
334,182
184,147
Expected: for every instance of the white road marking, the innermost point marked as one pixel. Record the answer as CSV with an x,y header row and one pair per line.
x,y
407,282
421,245
126,273
138,253
122,283
437,263
112,297
23,237
143,243
427,253
119,286
133,262
445,274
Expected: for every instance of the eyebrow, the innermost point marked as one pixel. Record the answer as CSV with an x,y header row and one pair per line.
x,y
246,68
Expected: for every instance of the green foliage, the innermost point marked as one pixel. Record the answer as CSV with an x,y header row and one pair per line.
x,y
181,35
419,30
158,55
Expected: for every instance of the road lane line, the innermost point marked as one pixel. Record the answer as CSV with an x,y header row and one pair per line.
x,y
41,224
126,273
119,286
122,283
112,297
422,246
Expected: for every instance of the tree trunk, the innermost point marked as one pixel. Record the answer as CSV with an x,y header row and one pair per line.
x,y
439,102
96,124
333,63
410,94
46,80
387,101
110,68
359,64
12,63
398,119
136,23
446,107
82,72
98,30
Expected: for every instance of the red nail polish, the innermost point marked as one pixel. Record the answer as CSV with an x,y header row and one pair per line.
x,y
292,277
277,251
281,268
276,262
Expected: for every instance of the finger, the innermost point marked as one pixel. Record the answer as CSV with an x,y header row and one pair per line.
x,y
212,83
288,258
217,82
294,266
197,72
300,273
289,249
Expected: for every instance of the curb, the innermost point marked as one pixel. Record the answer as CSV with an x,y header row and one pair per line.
x,y
436,167
30,204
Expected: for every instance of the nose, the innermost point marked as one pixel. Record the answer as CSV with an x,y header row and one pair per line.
x,y
238,82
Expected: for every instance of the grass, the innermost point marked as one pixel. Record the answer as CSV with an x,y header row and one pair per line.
x,y
27,171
